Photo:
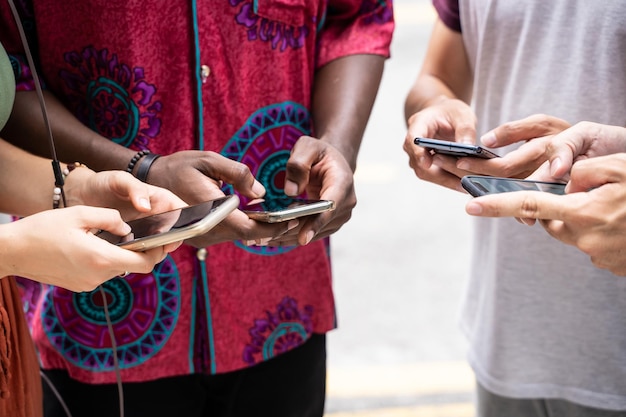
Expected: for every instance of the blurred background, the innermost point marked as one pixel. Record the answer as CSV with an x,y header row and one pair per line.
x,y
399,266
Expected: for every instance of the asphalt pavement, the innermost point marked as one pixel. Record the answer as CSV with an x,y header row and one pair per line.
x,y
399,266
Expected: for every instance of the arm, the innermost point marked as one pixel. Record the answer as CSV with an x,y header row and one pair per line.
x,y
437,105
593,221
344,93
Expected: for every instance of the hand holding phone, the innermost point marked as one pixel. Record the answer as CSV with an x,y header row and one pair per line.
x,y
454,148
478,185
284,209
174,225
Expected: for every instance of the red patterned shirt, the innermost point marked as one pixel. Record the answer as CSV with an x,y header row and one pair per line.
x,y
233,76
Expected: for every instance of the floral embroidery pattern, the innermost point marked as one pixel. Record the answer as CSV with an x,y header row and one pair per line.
x,y
279,331
379,10
279,34
264,144
143,310
112,98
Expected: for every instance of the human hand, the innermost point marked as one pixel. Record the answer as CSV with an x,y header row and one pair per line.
x,y
317,167
119,190
594,221
199,176
58,247
536,131
582,141
447,119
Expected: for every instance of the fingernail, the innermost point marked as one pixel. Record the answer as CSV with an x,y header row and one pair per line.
x,y
258,189
291,188
488,139
264,241
248,242
144,203
292,224
462,164
309,236
474,209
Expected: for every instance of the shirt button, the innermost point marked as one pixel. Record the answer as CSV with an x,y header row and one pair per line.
x,y
205,71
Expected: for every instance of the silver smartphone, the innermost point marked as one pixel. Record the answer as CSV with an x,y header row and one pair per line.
x,y
282,209
454,148
174,225
478,185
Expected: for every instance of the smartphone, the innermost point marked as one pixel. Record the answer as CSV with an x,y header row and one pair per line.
x,y
174,225
455,149
478,185
282,209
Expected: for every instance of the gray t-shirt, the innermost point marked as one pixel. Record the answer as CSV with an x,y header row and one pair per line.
x,y
542,321
7,87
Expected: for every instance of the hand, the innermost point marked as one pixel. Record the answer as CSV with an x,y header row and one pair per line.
x,y
119,190
448,119
58,247
197,176
536,131
317,167
593,221
584,140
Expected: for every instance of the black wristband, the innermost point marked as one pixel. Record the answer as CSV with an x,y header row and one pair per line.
x,y
134,160
144,166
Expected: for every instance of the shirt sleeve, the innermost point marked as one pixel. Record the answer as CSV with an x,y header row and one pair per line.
x,y
361,27
448,11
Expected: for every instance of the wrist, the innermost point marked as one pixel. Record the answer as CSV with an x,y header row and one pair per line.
x,y
140,164
74,181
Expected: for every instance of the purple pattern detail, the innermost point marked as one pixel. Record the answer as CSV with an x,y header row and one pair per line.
x,y
112,98
30,292
380,12
280,331
279,34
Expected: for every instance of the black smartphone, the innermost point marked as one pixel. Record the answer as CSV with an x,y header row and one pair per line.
x,y
282,209
174,225
478,185
454,149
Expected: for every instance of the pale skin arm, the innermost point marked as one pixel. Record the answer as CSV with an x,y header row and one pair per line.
x,y
57,246
594,221
437,105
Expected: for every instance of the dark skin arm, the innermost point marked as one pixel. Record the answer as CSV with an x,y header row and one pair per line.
x,y
74,141
343,97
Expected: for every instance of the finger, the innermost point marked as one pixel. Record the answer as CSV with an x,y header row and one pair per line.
x,y
234,173
303,156
101,219
595,172
534,126
521,204
559,229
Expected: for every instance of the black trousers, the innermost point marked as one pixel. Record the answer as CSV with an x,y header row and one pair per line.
x,y
292,384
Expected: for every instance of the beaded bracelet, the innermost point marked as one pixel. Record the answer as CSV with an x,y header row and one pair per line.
x,y
136,158
144,166
57,192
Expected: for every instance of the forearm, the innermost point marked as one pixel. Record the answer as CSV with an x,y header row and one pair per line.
x,y
343,97
73,140
26,181
445,72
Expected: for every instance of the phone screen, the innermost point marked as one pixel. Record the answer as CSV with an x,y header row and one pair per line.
x,y
478,185
454,148
174,225
286,208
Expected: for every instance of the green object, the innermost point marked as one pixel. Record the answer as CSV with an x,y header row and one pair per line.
x,y
7,87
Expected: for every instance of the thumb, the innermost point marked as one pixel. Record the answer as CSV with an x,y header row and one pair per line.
x,y
101,219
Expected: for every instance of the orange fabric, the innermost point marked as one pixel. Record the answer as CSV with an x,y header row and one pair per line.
x,y
20,383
